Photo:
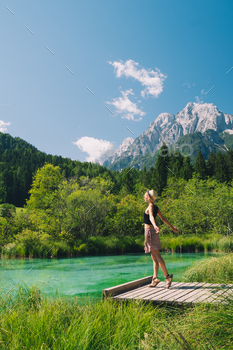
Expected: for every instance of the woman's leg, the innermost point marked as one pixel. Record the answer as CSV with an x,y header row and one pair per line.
x,y
155,265
155,254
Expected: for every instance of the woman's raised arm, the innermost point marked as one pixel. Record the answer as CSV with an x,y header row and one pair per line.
x,y
174,228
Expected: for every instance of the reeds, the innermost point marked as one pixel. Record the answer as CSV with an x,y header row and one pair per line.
x,y
30,320
211,270
197,243
115,245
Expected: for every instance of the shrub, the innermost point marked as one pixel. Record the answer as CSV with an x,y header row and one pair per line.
x,y
9,250
31,242
7,210
63,249
82,249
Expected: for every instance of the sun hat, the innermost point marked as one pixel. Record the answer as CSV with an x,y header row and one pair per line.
x,y
152,194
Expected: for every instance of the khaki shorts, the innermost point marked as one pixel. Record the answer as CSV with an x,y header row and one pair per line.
x,y
152,241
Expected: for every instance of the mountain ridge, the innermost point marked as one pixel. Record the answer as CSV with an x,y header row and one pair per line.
x,y
169,128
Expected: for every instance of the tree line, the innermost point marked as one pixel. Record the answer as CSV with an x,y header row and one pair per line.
x,y
69,217
19,162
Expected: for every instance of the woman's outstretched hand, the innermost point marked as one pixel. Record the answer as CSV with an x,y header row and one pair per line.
x,y
175,229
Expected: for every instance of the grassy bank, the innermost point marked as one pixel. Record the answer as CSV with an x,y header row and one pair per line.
x,y
197,243
211,270
32,245
30,320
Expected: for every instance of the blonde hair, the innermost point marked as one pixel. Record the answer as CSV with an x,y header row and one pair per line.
x,y
152,195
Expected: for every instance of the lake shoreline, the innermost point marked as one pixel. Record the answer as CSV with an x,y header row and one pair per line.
x,y
108,255
113,245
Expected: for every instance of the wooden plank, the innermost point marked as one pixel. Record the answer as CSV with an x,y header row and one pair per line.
x,y
172,295
184,290
157,291
206,298
133,295
211,290
126,287
223,292
202,293
160,287
186,293
137,290
183,298
145,291
176,286
203,296
214,297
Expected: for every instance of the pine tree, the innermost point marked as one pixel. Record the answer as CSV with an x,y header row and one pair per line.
x,y
175,165
127,180
229,160
211,163
220,170
200,165
144,177
3,191
187,169
161,170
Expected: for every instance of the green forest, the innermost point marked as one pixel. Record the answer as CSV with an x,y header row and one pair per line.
x,y
19,162
69,208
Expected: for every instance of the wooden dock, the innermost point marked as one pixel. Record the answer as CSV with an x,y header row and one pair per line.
x,y
179,293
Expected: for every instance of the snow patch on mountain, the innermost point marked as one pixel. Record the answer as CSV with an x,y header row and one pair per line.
x,y
229,131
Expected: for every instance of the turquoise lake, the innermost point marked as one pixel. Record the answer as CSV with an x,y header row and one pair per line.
x,y
89,275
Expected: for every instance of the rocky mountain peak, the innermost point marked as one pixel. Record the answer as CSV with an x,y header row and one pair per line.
x,y
124,146
169,128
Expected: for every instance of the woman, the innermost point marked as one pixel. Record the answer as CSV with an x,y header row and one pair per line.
x,y
152,242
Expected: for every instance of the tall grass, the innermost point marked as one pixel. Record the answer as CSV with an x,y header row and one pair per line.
x,y
31,320
197,243
31,245
212,270
35,322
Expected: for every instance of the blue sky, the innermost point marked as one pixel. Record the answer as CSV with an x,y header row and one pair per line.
x,y
138,58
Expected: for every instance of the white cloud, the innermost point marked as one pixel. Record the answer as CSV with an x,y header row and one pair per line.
x,y
188,85
152,80
127,107
200,99
98,150
3,126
